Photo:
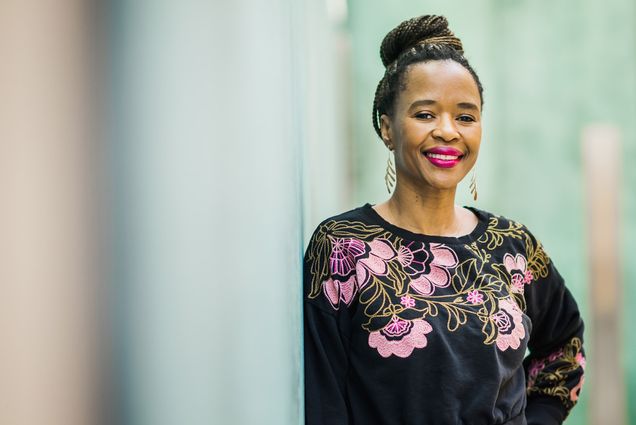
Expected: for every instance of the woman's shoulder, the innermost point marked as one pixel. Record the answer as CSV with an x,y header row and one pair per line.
x,y
498,221
356,213
364,223
503,227
358,222
361,215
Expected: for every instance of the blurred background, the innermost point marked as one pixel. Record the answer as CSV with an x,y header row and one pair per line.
x,y
162,164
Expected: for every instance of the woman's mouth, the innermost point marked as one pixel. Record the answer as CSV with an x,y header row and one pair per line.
x,y
443,157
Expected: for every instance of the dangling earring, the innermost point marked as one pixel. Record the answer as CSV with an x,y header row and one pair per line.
x,y
473,185
389,177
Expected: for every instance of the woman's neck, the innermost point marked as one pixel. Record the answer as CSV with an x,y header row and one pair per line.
x,y
431,212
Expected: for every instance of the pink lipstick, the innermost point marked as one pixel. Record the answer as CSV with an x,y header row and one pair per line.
x,y
443,156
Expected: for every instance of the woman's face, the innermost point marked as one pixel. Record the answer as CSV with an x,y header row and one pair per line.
x,y
436,125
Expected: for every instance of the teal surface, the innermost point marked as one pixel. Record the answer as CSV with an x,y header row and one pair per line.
x,y
548,70
208,211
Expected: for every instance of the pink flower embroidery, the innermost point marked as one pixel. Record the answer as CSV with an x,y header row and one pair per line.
x,y
414,257
516,266
517,283
400,337
343,253
536,366
509,325
405,256
337,291
580,359
557,354
527,277
475,297
517,262
407,301
376,263
433,270
574,392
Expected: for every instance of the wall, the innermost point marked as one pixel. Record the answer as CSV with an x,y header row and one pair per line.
x,y
207,212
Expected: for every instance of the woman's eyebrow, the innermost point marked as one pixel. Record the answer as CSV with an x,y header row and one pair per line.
x,y
467,105
422,102
428,102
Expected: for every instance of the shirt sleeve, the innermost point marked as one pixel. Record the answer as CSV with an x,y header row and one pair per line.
x,y
326,335
555,366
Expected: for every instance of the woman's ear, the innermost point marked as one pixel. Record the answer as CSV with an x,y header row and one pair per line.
x,y
385,130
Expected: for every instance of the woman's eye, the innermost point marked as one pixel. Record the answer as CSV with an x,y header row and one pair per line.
x,y
466,118
424,115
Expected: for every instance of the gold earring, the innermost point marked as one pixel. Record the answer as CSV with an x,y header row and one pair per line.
x,y
473,185
389,177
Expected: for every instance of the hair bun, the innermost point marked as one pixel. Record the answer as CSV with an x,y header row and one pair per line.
x,y
426,29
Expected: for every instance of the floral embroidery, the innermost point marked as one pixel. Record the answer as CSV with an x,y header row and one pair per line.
x,y
527,276
517,283
580,359
508,321
336,291
322,247
574,392
474,297
434,273
343,254
552,357
536,366
516,266
405,282
559,374
494,235
537,258
414,258
407,301
376,262
400,337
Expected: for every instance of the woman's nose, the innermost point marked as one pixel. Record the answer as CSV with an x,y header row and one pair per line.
x,y
446,129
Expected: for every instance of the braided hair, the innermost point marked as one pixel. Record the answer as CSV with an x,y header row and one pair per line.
x,y
421,39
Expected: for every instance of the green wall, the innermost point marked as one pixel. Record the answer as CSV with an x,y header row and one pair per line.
x,y
206,141
548,69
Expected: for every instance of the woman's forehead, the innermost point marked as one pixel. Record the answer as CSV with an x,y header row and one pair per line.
x,y
443,79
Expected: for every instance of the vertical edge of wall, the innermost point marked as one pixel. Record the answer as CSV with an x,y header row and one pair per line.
x,y
298,58
47,248
601,147
326,114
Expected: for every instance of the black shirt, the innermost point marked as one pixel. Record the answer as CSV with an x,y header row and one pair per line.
x,y
403,328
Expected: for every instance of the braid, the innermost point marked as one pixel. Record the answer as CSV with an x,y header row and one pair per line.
x,y
421,39
423,29
376,114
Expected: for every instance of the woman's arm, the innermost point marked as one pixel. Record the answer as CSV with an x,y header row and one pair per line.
x,y
326,336
555,366
325,369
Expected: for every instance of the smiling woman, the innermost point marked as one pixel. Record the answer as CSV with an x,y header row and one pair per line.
x,y
417,310
439,99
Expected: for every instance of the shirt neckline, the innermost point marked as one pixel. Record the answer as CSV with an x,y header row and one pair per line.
x,y
480,228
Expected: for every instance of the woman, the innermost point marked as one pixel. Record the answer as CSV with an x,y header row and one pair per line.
x,y
419,311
